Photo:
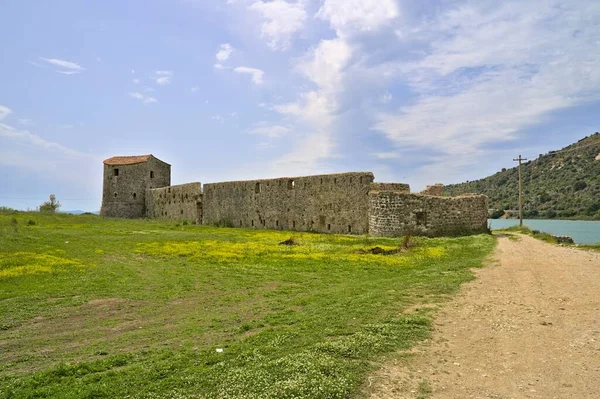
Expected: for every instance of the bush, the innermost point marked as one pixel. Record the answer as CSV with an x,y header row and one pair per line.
x,y
497,214
579,185
50,206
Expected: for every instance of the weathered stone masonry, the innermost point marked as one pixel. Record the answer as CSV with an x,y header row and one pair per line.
x,y
126,180
336,203
346,203
181,202
394,214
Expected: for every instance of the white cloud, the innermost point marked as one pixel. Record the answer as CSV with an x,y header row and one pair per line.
x,y
385,97
350,16
257,74
492,72
24,121
69,72
220,66
385,155
326,63
224,52
8,132
163,77
136,81
4,112
143,98
68,67
195,89
283,19
315,111
49,160
269,130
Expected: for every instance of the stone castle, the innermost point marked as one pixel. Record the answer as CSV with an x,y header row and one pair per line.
x,y
345,203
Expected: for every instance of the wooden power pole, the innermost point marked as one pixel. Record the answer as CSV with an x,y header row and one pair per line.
x,y
520,191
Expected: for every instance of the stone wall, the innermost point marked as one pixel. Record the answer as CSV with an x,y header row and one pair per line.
x,y
390,187
181,202
336,203
434,189
125,185
394,214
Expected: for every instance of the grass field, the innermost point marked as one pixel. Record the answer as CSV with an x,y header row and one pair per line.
x,y
94,308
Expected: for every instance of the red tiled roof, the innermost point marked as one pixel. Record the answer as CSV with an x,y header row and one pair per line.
x,y
127,160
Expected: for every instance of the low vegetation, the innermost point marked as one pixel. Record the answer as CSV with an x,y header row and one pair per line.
x,y
144,308
560,184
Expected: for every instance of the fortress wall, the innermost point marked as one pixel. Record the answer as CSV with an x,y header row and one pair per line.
x,y
181,202
336,203
390,187
395,213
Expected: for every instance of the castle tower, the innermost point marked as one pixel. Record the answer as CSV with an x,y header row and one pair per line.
x,y
126,179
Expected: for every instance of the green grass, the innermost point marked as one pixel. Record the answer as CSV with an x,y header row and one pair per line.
x,y
93,308
540,235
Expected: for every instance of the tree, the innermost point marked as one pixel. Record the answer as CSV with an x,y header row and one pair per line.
x,y
50,206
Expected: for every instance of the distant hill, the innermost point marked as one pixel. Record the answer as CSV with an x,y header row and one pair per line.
x,y
563,184
79,212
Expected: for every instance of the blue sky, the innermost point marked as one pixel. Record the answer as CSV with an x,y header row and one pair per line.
x,y
418,92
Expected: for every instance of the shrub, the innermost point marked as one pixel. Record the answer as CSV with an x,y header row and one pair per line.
x,y
50,206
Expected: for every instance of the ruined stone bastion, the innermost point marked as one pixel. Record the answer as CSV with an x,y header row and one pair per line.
x,y
344,203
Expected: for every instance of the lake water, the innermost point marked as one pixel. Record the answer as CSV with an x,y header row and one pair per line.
x,y
582,232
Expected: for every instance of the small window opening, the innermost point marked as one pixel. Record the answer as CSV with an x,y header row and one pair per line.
x,y
291,184
328,227
349,229
335,180
240,223
350,180
361,180
134,195
182,211
115,195
252,223
421,218
116,171
321,180
152,174
277,223
293,223
186,196
305,185
169,190
257,188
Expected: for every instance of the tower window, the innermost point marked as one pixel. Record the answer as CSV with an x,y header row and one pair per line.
x,y
328,227
152,174
115,195
257,188
134,195
291,184
116,172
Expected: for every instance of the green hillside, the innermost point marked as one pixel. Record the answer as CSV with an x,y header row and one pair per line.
x,y
563,184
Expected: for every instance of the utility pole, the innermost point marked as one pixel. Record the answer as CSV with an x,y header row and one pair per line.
x,y
520,191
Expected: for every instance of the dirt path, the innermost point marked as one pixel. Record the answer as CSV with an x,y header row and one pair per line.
x,y
527,327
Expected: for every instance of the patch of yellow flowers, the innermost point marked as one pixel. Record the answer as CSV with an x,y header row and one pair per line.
x,y
23,263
